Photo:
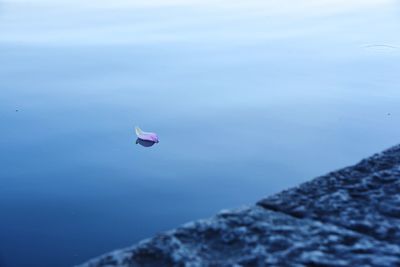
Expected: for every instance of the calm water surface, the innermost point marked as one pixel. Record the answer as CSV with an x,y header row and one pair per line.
x,y
248,98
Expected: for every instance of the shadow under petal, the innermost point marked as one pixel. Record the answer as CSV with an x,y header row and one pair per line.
x,y
144,143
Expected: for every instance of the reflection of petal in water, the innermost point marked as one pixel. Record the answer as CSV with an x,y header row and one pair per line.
x,y
144,143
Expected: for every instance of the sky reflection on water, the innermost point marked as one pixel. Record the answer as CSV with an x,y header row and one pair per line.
x,y
248,98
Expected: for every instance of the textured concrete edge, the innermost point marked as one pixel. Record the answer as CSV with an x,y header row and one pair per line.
x,y
119,255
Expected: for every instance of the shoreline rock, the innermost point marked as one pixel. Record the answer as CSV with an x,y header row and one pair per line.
x,y
350,217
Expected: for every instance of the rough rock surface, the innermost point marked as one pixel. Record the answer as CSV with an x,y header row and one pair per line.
x,y
350,217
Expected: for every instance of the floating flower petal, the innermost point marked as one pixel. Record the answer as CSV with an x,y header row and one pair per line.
x,y
146,136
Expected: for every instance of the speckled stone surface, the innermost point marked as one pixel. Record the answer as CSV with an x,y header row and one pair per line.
x,y
350,217
364,198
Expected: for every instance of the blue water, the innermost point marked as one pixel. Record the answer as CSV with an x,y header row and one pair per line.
x,y
248,98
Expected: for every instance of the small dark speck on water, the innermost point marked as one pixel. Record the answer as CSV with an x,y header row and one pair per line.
x,y
388,114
